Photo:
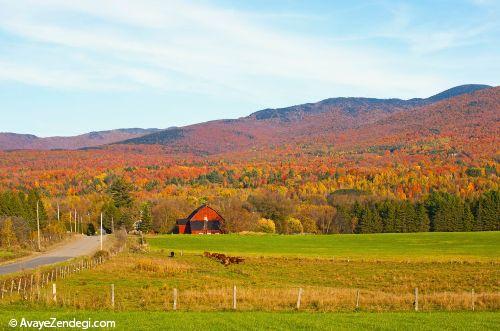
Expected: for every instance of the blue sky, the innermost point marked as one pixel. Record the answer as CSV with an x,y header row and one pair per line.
x,y
68,67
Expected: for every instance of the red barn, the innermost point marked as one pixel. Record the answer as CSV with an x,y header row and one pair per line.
x,y
204,220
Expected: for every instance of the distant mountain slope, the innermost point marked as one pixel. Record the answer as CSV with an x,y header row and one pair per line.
x,y
467,122
9,141
456,91
353,106
336,120
330,121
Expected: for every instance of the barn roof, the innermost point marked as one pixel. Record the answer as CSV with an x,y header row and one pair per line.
x,y
200,208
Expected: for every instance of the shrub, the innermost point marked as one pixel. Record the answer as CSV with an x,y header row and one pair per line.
x,y
7,235
103,254
266,225
292,225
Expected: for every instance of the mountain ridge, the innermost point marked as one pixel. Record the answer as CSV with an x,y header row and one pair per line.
x,y
301,123
264,126
12,141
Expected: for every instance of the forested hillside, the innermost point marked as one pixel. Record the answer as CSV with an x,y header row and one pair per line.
x,y
339,166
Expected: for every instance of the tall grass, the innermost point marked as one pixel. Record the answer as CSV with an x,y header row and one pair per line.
x,y
146,282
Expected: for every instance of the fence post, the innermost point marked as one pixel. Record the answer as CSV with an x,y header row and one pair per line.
x,y
416,299
234,297
473,300
38,292
113,296
11,287
3,288
357,299
299,297
54,292
19,285
175,299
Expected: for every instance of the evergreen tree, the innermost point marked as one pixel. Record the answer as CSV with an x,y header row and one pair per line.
x,y
91,229
30,206
387,212
486,212
467,218
422,218
146,219
111,215
445,212
120,193
369,220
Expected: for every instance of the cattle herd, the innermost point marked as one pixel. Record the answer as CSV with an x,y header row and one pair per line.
x,y
224,259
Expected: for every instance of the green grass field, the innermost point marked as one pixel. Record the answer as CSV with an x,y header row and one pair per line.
x,y
390,246
7,255
384,268
268,321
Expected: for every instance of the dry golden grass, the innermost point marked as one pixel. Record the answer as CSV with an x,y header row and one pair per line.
x,y
263,299
146,281
160,266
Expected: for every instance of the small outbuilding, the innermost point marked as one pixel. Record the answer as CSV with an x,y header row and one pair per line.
x,y
203,220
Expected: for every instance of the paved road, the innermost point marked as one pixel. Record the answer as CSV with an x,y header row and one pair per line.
x,y
80,246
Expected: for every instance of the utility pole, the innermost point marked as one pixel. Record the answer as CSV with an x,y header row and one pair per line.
x,y
112,225
58,217
101,231
38,224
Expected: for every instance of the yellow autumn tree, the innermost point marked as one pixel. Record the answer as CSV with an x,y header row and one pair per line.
x,y
8,237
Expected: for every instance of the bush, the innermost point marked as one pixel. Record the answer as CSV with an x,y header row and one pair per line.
x,y
292,225
90,229
103,254
266,225
8,237
21,230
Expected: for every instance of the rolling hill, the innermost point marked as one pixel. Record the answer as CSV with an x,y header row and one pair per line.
x,y
12,141
461,113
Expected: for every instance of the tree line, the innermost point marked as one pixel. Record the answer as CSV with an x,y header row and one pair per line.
x,y
260,210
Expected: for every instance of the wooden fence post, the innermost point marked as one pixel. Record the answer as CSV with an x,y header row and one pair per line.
x,y
416,299
3,288
175,299
357,299
113,296
19,285
11,287
234,297
54,292
299,297
473,300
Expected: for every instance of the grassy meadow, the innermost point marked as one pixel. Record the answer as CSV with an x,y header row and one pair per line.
x,y
428,246
269,321
331,270
8,255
